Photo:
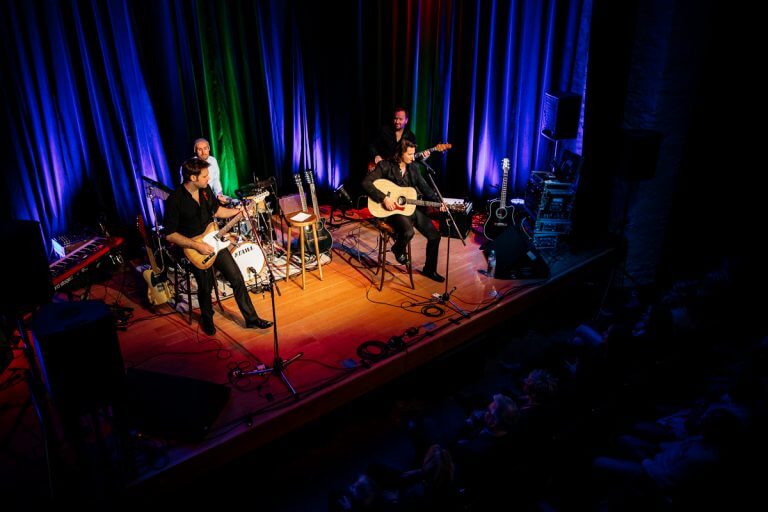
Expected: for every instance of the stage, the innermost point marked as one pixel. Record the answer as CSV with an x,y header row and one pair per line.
x,y
351,338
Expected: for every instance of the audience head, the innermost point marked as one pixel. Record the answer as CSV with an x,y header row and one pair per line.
x,y
437,467
502,413
540,386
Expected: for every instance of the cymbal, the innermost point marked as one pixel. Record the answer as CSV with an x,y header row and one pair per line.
x,y
157,184
249,188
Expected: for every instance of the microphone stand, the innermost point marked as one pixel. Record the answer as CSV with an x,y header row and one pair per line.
x,y
278,364
445,298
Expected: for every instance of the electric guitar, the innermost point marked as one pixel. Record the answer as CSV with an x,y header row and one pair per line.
x,y
404,198
159,290
216,238
324,239
440,148
499,213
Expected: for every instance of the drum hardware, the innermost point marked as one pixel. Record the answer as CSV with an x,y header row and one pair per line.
x,y
250,260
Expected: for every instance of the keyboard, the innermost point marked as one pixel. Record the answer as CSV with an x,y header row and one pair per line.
x,y
67,268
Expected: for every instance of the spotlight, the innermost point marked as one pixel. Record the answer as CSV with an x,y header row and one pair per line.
x,y
343,201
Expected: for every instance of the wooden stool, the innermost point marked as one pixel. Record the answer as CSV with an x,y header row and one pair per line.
x,y
309,221
387,233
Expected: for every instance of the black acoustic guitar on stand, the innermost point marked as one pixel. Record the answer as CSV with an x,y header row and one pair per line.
x,y
499,212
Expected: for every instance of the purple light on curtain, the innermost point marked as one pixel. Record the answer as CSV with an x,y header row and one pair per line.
x,y
271,54
302,158
135,148
480,181
42,192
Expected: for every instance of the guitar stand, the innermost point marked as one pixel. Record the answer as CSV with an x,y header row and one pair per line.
x,y
278,363
444,298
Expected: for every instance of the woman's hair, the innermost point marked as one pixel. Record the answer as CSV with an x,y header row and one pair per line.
x,y
400,149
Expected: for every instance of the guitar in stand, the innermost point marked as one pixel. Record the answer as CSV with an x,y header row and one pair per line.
x,y
216,238
404,198
159,290
418,156
324,238
499,213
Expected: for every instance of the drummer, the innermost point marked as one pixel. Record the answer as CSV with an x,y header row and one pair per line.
x,y
203,152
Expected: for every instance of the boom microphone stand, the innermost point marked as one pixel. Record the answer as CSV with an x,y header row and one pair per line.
x,y
445,298
278,364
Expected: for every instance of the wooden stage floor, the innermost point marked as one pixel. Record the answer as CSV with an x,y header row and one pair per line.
x,y
326,323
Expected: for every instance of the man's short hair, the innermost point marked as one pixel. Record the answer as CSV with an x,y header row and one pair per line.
x,y
194,144
401,109
192,167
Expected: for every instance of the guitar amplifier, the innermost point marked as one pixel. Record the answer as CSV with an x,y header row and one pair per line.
x,y
463,218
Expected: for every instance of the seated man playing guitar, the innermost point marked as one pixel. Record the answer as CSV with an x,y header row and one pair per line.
x,y
401,171
189,211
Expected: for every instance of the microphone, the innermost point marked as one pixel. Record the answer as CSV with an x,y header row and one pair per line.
x,y
427,166
252,270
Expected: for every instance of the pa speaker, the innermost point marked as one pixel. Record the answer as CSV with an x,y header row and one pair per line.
x,y
560,116
639,153
516,258
171,406
78,354
28,276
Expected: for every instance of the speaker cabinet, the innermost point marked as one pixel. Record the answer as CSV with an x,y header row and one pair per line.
x,y
27,281
560,116
78,354
172,406
463,224
516,258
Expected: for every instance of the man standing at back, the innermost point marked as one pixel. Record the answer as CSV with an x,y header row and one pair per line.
x,y
390,135
202,150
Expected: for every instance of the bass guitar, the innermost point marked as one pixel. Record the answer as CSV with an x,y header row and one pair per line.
x,y
324,239
405,198
216,238
159,290
499,213
439,148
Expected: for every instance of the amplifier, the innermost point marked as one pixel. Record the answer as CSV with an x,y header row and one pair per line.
x,y
463,218
552,226
548,198
544,241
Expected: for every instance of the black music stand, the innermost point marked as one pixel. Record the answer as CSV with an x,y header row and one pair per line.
x,y
156,190
278,363
445,298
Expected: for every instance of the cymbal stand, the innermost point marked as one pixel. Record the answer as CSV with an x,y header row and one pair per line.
x,y
278,363
445,298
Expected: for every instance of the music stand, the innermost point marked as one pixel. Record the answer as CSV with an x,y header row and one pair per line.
x,y
445,298
278,364
156,190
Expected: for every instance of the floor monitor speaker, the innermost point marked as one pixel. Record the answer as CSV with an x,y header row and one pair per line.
x,y
516,258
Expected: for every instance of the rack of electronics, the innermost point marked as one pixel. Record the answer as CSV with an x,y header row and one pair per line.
x,y
549,199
